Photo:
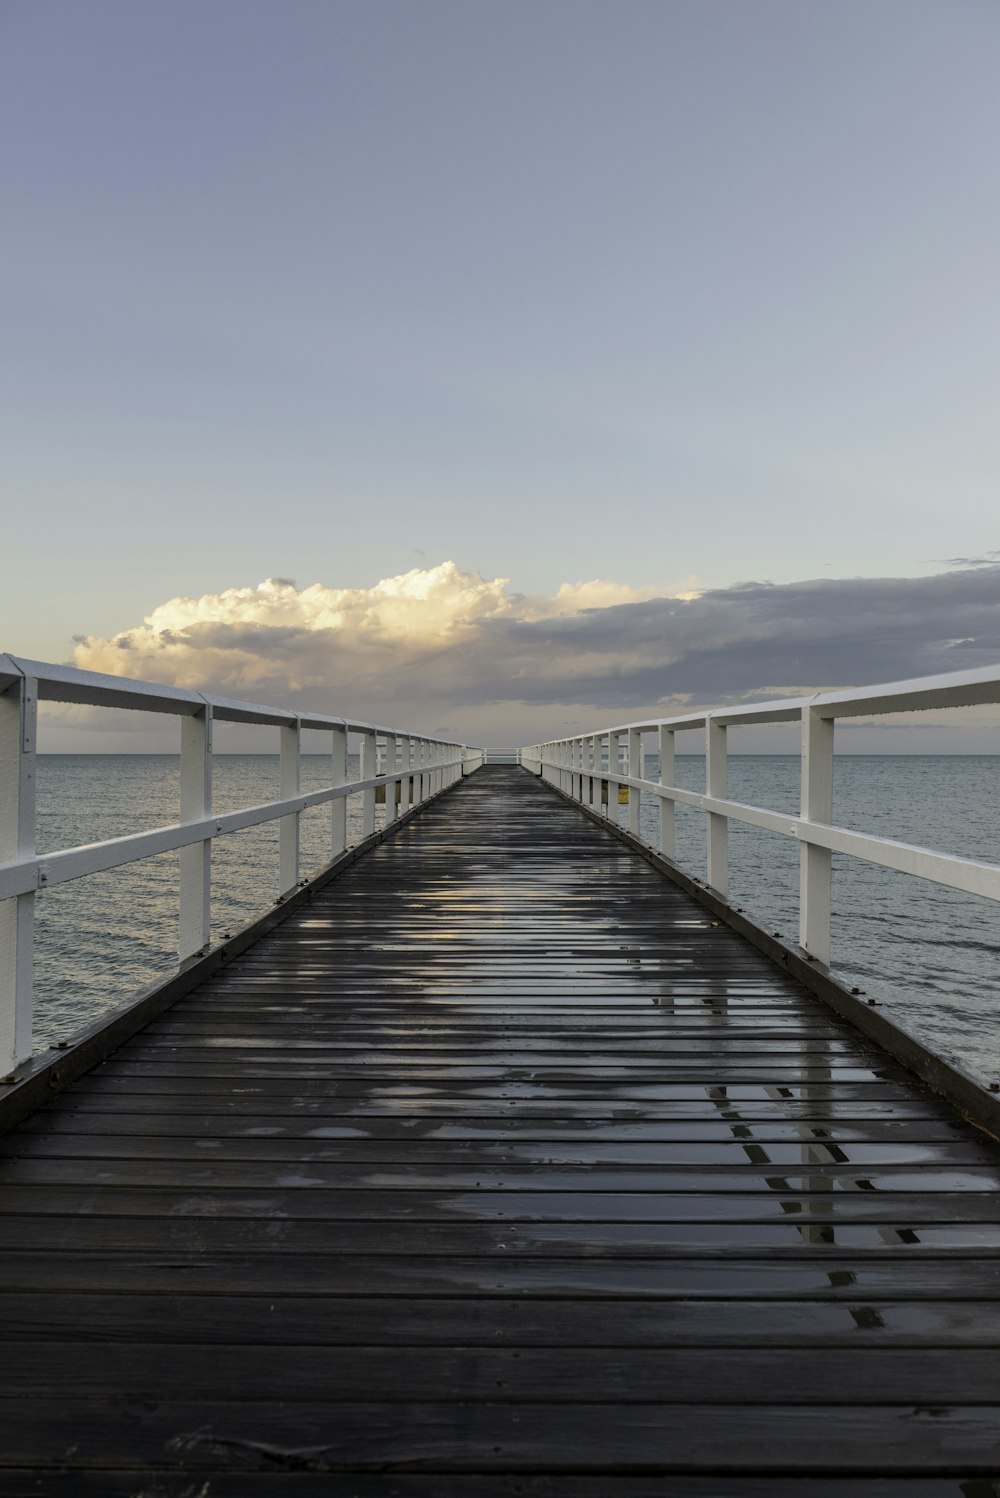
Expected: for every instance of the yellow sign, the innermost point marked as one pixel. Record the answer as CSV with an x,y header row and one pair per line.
x,y
623,795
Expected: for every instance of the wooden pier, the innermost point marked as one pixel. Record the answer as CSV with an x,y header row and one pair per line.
x,y
501,1167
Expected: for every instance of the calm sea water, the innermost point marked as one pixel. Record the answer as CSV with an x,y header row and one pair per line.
x,y
930,953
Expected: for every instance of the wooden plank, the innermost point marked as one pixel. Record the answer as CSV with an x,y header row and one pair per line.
x,y
505,1274
822,1178
918,1127
587,1092
304,1205
490,1375
820,1234
508,1151
300,1483
458,1437
355,1321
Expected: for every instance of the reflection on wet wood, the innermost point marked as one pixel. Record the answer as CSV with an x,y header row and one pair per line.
x,y
500,1168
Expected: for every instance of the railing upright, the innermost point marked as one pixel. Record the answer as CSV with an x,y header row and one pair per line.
x,y
18,767
290,783
404,766
391,810
196,859
668,813
614,771
716,784
338,807
815,863
369,770
635,768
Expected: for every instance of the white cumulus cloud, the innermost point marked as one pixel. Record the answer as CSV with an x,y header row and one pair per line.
x,y
422,634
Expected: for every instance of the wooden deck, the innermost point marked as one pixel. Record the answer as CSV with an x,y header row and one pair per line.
x,y
500,1169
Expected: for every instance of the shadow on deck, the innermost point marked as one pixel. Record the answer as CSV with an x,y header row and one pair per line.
x,y
499,1168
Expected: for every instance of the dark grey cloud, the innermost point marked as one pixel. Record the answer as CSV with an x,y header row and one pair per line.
x,y
988,559
755,637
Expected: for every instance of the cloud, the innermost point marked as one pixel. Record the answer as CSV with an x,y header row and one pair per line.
x,y
989,559
438,641
279,641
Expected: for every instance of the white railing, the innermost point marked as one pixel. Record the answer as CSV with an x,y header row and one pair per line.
x,y
580,766
421,766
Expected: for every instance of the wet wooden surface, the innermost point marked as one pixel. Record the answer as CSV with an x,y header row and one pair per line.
x,y
500,1169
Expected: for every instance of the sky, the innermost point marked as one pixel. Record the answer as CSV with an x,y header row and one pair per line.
x,y
501,369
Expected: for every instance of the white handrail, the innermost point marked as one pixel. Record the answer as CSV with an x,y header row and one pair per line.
x,y
421,765
582,764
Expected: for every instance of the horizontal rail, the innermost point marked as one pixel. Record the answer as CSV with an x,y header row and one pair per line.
x,y
970,875
45,870
96,689
588,766
421,766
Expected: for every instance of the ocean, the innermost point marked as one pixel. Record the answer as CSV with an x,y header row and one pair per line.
x,y
929,953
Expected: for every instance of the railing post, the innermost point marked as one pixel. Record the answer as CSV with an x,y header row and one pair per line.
x,y
18,732
390,785
338,807
195,930
599,764
607,746
716,780
405,755
815,864
635,768
668,809
614,770
288,827
369,769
